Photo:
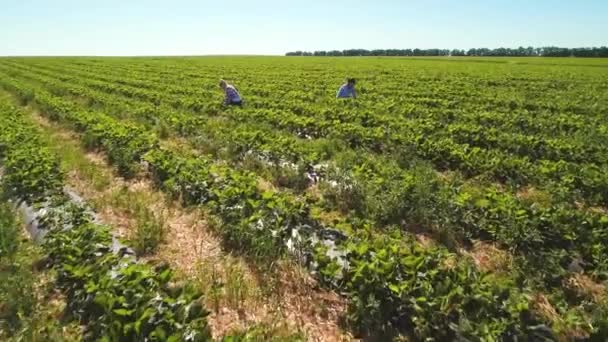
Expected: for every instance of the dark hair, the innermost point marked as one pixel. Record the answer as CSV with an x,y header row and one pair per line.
x,y
351,80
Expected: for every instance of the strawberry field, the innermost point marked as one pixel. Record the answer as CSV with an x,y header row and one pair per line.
x,y
455,198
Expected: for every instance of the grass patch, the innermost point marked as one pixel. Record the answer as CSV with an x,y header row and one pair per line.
x,y
276,332
74,158
150,227
226,284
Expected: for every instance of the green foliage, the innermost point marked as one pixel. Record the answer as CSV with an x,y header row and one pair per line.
x,y
149,232
119,299
260,332
397,284
26,173
26,314
17,286
9,232
113,295
17,294
436,146
31,172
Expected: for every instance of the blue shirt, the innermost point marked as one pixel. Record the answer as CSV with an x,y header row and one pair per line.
x,y
346,91
232,96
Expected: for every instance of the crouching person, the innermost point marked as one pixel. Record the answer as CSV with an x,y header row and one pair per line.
x,y
232,96
347,90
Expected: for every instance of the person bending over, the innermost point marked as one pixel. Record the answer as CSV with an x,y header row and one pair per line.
x,y
347,90
232,96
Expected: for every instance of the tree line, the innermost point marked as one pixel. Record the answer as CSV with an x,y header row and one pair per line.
x,y
549,51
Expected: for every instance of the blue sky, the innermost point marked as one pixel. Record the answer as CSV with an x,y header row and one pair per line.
x,y
134,27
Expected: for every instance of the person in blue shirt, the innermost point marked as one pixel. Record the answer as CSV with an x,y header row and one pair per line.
x,y
232,96
347,90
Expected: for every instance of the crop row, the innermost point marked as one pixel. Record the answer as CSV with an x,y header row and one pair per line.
x,y
455,100
116,297
392,281
541,121
551,236
121,82
582,180
530,87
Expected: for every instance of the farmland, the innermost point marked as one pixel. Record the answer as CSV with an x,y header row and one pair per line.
x,y
454,198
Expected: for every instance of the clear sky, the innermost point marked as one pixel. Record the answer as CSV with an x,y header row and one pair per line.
x,y
179,27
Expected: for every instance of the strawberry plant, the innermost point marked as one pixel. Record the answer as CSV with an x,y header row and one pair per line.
x,y
457,151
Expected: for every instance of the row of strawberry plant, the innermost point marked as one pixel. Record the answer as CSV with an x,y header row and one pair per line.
x,y
116,76
391,281
446,153
508,170
116,297
113,76
25,312
122,78
546,235
383,275
474,90
475,224
123,150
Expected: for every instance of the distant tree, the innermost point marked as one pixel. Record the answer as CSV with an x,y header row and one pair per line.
x,y
521,51
552,51
356,52
547,51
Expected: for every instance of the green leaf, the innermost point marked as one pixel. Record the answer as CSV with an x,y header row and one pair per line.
x,y
122,312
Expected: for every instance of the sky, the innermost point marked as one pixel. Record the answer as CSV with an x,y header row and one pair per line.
x,y
269,27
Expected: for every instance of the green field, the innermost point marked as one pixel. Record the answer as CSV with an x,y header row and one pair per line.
x,y
455,197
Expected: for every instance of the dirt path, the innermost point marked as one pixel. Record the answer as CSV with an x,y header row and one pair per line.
x,y
238,297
